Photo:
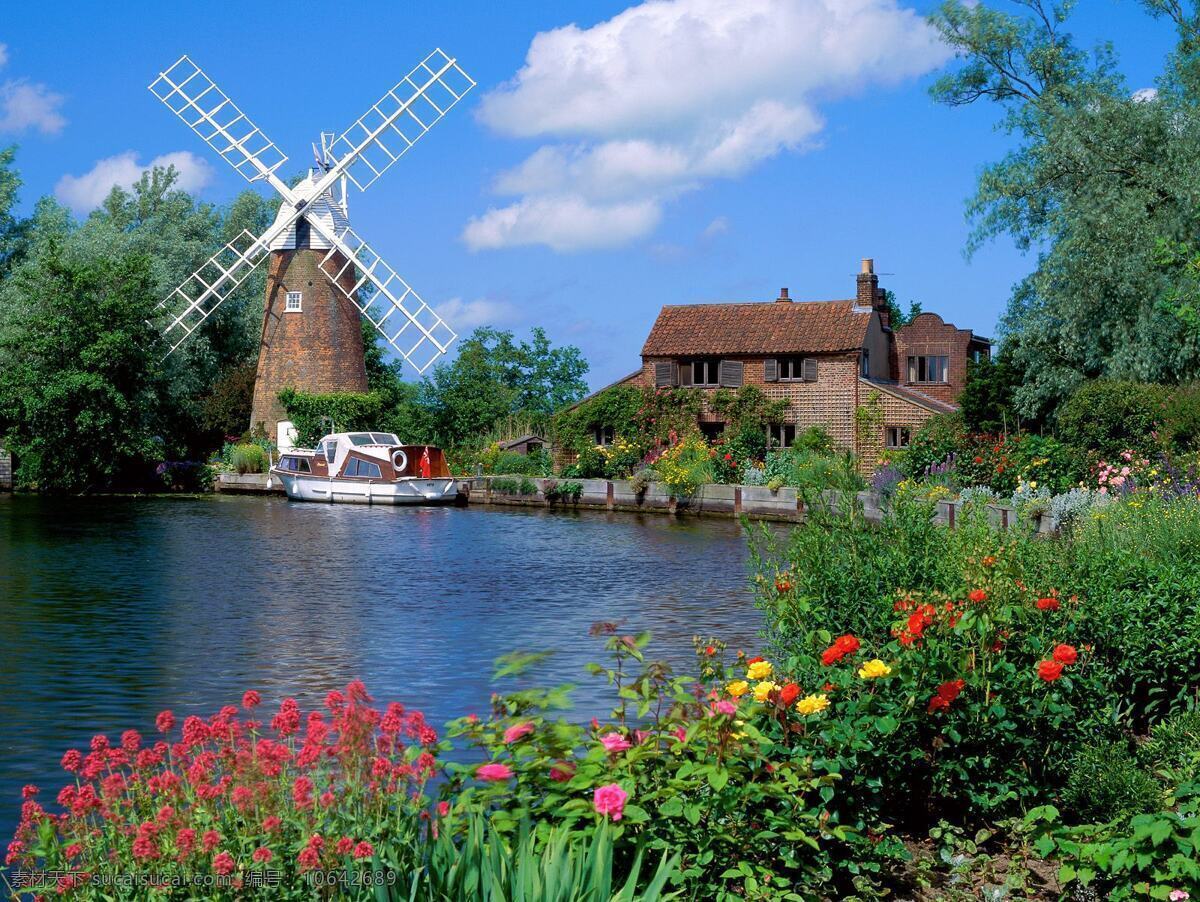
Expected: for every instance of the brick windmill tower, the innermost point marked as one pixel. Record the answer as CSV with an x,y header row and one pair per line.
x,y
323,279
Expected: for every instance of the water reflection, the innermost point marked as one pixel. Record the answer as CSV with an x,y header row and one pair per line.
x,y
113,609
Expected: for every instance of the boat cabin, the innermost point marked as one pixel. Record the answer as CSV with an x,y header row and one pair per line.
x,y
367,456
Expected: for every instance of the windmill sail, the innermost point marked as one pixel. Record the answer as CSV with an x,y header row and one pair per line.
x,y
207,110
385,132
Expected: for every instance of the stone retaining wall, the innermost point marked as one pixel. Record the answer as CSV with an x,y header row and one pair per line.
x,y
6,476
755,501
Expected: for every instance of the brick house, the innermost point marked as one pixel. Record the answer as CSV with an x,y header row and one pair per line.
x,y
828,359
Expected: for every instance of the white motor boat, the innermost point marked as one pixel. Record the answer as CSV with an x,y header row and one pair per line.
x,y
366,468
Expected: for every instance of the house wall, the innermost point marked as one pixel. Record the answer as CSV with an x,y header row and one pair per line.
x,y
929,334
896,412
829,402
879,345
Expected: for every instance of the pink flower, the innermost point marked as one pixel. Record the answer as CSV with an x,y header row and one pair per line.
x,y
443,809
513,733
562,771
614,742
494,772
609,800
681,734
344,845
271,823
726,707
262,853
223,863
250,700
165,721
1179,895
364,850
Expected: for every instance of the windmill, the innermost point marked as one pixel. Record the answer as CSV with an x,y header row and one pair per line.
x,y
323,279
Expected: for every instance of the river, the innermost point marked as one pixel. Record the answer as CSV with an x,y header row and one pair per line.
x,y
113,609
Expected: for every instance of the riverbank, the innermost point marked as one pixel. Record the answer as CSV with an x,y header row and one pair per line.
x,y
783,505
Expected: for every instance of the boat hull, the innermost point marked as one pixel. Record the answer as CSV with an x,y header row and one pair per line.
x,y
409,490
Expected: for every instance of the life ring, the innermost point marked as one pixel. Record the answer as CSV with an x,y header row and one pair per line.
x,y
402,464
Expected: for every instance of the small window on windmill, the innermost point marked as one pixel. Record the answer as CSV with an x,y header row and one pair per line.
x,y
293,304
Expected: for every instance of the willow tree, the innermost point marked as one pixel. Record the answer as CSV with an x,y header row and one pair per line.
x,y
1103,186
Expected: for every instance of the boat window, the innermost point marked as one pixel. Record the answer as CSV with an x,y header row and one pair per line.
x,y
362,468
330,450
385,438
361,438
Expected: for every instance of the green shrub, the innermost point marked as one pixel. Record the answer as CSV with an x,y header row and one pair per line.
x,y
640,481
1146,856
248,459
562,491
1105,783
513,463
1173,748
313,415
938,438
814,439
1107,417
1182,418
813,472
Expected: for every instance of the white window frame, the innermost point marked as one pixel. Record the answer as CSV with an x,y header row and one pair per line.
x,y
296,296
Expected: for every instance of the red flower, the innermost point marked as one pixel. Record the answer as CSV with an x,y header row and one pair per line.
x,y
250,700
1049,670
308,859
788,693
262,853
729,457
1048,604
271,823
72,760
364,850
710,651
165,721
223,864
977,595
754,660
562,771
1065,654
842,646
946,693
210,840
344,845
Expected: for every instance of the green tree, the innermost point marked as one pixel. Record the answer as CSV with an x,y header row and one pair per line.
x,y
1099,178
988,398
896,316
494,376
77,368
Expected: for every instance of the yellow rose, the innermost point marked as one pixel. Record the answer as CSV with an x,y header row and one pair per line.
x,y
812,704
759,670
763,690
738,688
873,669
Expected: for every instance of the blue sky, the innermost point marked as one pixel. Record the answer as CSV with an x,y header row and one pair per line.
x,y
672,152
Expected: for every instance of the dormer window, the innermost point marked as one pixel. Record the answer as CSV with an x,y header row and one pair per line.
x,y
866,362
293,303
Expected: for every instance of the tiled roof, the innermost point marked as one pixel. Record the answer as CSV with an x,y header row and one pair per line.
x,y
911,394
796,327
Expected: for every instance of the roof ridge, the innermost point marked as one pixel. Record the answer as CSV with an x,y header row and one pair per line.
x,y
763,303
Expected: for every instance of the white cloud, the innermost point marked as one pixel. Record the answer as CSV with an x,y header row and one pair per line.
x,y
1144,95
85,192
669,93
563,222
464,316
718,226
26,105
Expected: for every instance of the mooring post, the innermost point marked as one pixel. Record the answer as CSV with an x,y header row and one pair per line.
x,y
609,495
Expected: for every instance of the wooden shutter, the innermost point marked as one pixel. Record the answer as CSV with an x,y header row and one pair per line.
x,y
665,374
808,369
771,370
685,373
730,373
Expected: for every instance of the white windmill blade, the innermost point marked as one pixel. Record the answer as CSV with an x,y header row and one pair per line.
x,y
188,306
207,110
400,315
385,132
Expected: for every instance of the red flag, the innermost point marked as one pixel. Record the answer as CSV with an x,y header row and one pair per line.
x,y
425,467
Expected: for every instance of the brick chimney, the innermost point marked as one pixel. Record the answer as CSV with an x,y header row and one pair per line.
x,y
870,294
783,297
